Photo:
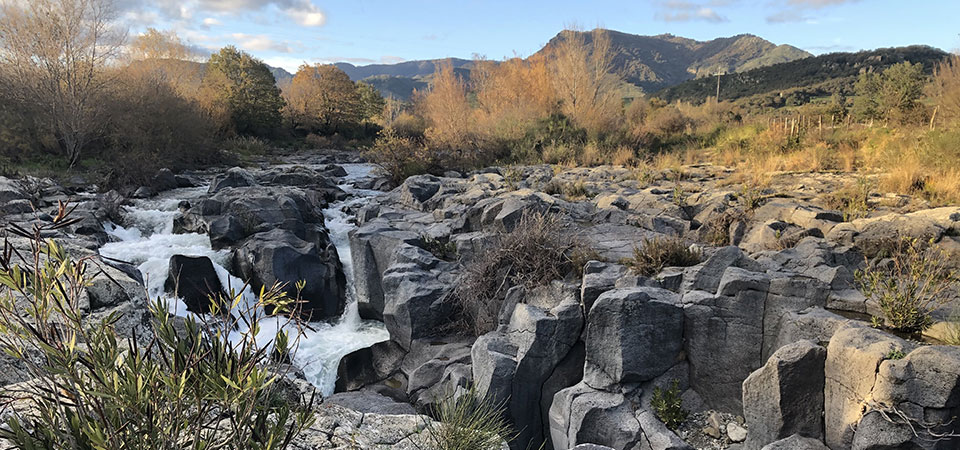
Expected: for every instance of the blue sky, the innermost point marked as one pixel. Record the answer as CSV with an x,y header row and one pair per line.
x,y
287,33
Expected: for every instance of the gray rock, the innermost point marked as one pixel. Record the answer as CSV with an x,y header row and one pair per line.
x,y
796,442
164,180
416,301
369,402
724,339
599,277
415,191
513,363
279,256
368,365
632,335
234,177
581,414
850,372
373,249
785,396
195,280
656,435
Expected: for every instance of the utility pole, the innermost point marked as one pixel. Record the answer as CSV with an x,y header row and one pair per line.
x,y
719,72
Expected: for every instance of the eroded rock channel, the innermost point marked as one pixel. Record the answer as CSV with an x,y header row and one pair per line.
x,y
763,337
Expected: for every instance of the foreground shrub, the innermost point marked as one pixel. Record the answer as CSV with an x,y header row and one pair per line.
x,y
908,285
655,254
537,251
851,200
668,406
469,420
188,385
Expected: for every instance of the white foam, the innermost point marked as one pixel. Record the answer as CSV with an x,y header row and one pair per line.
x,y
149,243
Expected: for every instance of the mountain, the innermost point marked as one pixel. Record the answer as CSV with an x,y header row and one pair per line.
x,y
810,77
282,77
650,62
656,62
408,69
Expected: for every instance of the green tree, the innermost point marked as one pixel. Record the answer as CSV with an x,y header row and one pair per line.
x,y
866,105
893,95
901,92
371,102
241,93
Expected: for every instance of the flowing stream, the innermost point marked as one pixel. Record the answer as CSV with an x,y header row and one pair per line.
x,y
149,242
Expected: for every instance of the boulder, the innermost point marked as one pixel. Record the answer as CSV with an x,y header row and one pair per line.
x,y
417,300
785,396
415,191
724,337
195,280
513,363
279,256
10,191
234,177
164,180
853,358
599,277
373,248
656,435
632,335
796,442
368,365
581,414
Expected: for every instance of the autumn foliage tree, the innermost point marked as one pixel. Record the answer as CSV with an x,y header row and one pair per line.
x,y
240,93
322,98
582,66
447,111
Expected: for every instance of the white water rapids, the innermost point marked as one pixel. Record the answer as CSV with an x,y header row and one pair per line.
x,y
150,242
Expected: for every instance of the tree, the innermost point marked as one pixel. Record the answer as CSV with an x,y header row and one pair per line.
x,y
164,54
239,92
892,95
322,98
583,79
902,91
372,104
156,44
945,89
54,52
447,110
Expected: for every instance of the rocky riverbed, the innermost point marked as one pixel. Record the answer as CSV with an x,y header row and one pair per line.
x,y
764,338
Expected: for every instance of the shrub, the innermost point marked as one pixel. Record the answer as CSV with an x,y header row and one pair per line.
x,y
469,421
851,200
717,230
400,156
188,384
668,406
538,250
895,354
908,285
655,254
952,336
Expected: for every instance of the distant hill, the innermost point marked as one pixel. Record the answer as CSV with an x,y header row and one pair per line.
x,y
650,62
282,77
656,62
820,75
408,69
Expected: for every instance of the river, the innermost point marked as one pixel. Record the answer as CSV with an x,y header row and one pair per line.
x,y
148,241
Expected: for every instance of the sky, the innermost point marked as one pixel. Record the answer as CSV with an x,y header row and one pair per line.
x,y
288,33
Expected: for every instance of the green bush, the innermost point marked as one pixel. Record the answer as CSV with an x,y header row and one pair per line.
x,y
187,385
655,254
668,406
909,284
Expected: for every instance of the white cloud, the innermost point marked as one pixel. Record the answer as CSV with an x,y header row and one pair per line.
x,y
303,12
680,11
307,15
210,21
260,42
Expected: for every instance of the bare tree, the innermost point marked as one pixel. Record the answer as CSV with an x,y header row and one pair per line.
x,y
583,78
54,53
